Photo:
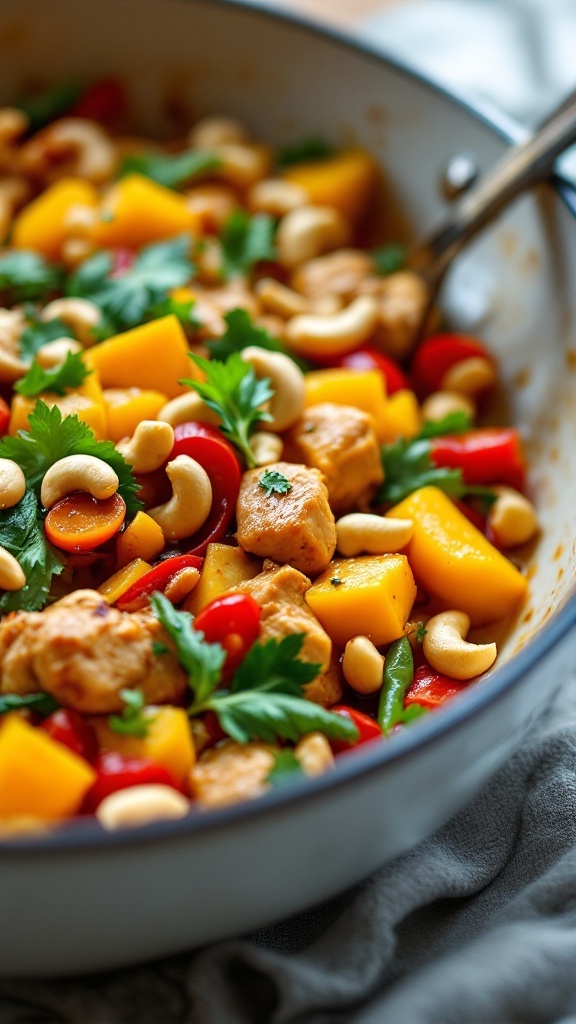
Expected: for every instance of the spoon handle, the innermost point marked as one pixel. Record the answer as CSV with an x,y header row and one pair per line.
x,y
521,166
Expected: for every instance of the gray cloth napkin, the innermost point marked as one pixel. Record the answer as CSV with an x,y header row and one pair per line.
x,y
477,925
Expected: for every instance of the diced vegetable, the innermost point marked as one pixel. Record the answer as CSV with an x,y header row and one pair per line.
x,y
363,389
156,579
168,740
126,407
152,357
136,211
86,402
142,538
233,621
224,568
368,729
117,585
346,180
41,225
430,689
489,455
80,523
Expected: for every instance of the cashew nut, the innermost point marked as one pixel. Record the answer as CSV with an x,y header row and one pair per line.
x,y
185,408
276,197
277,298
308,231
241,165
182,584
141,805
470,376
266,448
217,131
448,652
12,483
363,666
54,352
312,335
212,205
78,473
314,753
191,499
149,446
287,382
14,193
376,535
512,518
12,323
442,403
11,573
72,145
80,315
338,273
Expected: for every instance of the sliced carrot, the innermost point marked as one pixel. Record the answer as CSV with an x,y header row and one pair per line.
x,y
79,522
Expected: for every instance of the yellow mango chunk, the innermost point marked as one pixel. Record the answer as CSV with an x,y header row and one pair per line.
x,y
400,418
152,357
86,402
137,211
41,225
116,585
224,567
364,389
127,407
454,561
142,538
168,741
39,777
346,181
373,598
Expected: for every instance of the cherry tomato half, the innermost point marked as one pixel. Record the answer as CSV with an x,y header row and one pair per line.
x,y
368,728
232,621
79,522
4,417
118,772
71,729
437,354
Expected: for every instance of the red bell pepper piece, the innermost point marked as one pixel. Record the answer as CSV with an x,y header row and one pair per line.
x,y
232,621
71,729
104,101
157,578
368,728
217,457
430,689
115,771
437,353
489,455
370,358
4,417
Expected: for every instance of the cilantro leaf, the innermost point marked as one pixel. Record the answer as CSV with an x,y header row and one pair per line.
x,y
241,332
47,106
25,276
133,721
182,310
51,437
274,482
22,534
127,298
286,769
454,423
41,703
202,661
275,666
389,258
311,148
38,333
70,374
235,394
170,169
246,240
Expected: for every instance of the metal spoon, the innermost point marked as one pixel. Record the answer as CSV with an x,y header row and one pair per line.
x,y
522,166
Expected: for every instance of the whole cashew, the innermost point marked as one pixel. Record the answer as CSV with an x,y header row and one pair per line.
x,y
141,805
12,323
512,518
309,231
312,335
276,197
78,473
149,446
469,376
241,165
191,499
54,352
376,535
79,314
363,666
266,447
212,205
287,382
11,572
12,483
314,753
185,408
336,273
440,404
217,131
446,650
277,298
82,147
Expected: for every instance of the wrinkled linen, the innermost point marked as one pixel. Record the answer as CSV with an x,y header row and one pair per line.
x,y
477,925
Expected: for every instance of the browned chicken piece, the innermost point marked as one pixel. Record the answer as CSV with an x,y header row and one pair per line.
x,y
296,527
341,442
231,772
279,591
83,652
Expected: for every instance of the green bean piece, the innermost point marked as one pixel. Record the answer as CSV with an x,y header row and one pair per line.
x,y
398,674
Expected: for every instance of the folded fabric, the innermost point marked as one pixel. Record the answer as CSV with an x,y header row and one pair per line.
x,y
477,925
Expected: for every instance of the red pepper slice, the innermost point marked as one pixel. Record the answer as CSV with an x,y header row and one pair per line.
x,y
217,457
104,101
370,358
489,455
437,353
430,689
4,417
71,729
118,772
157,578
368,728
232,621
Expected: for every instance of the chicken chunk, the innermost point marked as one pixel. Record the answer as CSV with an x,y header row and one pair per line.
x,y
279,591
341,442
231,772
83,652
296,527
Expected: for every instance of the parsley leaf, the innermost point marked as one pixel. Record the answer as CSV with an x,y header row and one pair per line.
x,y
41,703
241,332
133,721
454,423
51,437
170,169
389,258
245,241
182,310
127,298
27,277
311,148
235,394
274,482
70,374
286,769
22,534
202,661
38,333
47,106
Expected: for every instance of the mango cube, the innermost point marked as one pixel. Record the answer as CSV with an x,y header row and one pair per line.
x,y
153,357
168,741
224,567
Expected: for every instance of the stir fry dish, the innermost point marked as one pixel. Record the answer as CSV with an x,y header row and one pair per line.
x,y
250,521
